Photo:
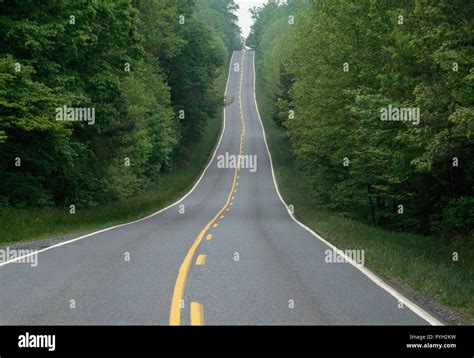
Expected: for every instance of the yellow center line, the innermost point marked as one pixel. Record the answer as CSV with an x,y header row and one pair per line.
x,y
209,237
201,260
178,292
196,314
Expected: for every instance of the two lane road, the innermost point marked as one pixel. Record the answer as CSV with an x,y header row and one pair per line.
x,y
229,252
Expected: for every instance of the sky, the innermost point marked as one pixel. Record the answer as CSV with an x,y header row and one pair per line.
x,y
245,19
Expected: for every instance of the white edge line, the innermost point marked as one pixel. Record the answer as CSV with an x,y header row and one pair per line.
x,y
377,280
151,215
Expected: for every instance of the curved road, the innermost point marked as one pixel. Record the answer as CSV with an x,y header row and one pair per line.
x,y
229,252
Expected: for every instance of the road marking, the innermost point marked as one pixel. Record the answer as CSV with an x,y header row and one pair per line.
x,y
233,197
197,314
209,237
373,277
222,216
178,292
201,260
227,209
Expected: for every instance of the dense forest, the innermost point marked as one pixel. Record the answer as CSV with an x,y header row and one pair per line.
x,y
376,100
99,97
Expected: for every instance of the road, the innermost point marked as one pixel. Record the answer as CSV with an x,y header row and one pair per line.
x,y
229,252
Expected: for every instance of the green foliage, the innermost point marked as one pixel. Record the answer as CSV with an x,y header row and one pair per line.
x,y
413,54
458,216
199,63
220,15
134,63
25,118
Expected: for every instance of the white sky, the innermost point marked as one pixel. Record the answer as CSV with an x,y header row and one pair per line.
x,y
245,19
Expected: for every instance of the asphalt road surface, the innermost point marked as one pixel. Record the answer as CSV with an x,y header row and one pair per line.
x,y
229,252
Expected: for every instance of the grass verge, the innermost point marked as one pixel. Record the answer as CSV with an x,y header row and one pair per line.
x,y
38,223
423,263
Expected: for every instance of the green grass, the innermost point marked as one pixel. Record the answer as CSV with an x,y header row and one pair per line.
x,y
37,223
423,263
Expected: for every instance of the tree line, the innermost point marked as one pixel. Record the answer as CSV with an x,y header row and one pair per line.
x,y
376,101
146,71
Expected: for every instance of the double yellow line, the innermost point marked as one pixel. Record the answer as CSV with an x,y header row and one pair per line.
x,y
178,293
